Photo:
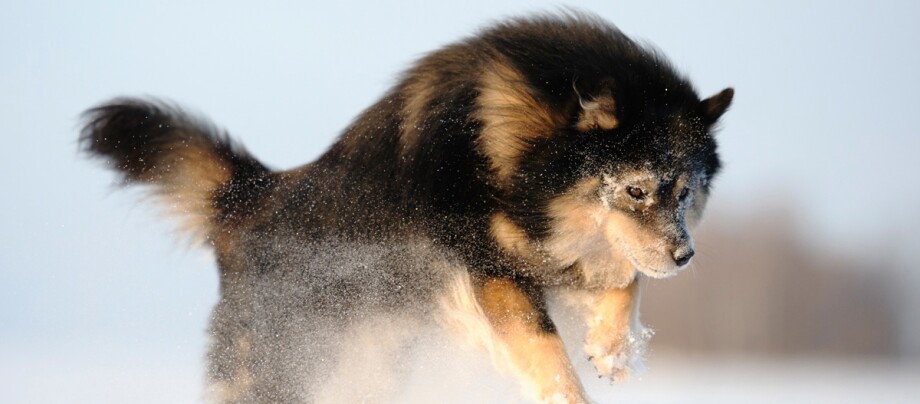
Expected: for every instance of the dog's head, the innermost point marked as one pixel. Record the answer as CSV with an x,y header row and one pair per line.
x,y
617,186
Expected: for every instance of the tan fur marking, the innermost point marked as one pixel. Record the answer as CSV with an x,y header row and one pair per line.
x,y
626,228
576,227
189,178
463,314
512,118
419,92
598,113
513,240
646,250
580,235
538,356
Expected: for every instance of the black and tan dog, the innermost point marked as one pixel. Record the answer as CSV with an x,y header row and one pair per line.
x,y
544,153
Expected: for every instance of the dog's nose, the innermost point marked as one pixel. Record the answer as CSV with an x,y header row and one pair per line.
x,y
682,256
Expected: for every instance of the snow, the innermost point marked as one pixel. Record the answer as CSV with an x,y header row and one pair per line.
x,y
669,379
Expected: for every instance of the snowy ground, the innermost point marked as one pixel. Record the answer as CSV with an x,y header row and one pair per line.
x,y
805,380
674,379
669,379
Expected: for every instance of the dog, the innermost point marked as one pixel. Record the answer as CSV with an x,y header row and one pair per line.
x,y
545,153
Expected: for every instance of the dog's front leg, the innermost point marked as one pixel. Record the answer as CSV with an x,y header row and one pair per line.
x,y
517,313
616,339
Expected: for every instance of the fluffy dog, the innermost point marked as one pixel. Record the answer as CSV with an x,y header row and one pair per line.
x,y
544,153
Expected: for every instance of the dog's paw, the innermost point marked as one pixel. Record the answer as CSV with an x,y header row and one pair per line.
x,y
618,355
565,398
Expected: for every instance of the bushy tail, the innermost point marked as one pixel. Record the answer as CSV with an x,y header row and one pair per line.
x,y
194,168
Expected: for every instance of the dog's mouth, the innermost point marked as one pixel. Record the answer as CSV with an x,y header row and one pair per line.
x,y
659,273
669,270
666,269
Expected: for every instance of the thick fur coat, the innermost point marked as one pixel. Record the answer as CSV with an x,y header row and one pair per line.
x,y
545,152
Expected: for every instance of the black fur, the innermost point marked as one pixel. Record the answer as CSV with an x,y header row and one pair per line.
x,y
140,139
384,182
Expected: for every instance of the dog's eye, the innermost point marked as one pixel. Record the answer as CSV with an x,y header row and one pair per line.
x,y
635,192
684,193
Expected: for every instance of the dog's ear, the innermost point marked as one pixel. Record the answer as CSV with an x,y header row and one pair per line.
x,y
597,111
713,107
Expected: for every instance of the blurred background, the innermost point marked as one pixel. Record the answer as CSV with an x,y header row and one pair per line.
x,y
804,288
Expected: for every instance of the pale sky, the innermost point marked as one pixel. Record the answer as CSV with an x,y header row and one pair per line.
x,y
826,122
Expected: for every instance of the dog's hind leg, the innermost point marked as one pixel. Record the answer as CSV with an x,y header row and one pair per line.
x,y
231,379
534,350
370,365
